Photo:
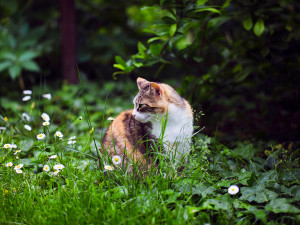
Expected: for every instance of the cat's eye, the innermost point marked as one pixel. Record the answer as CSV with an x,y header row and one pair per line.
x,y
143,106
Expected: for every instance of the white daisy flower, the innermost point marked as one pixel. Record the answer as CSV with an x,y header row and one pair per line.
x,y
7,146
25,116
71,140
2,128
233,189
53,157
47,96
27,127
110,118
18,166
41,136
19,171
26,98
116,159
13,146
108,167
56,172
58,134
80,118
45,117
16,152
27,92
58,167
46,123
10,164
46,168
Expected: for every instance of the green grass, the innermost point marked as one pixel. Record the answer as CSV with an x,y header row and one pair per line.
x,y
267,175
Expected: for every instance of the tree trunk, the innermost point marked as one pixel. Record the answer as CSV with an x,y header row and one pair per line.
x,y
69,56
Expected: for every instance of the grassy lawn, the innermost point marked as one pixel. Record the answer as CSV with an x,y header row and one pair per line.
x,y
80,192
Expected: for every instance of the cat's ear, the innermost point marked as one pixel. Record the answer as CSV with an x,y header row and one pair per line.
x,y
155,89
141,83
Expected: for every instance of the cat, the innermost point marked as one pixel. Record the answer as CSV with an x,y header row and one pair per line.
x,y
159,113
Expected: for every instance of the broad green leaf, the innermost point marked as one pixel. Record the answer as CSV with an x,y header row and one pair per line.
x,y
28,55
259,27
225,183
168,20
171,197
147,30
201,2
155,49
162,30
209,9
14,71
138,65
237,68
245,177
206,205
245,151
291,175
224,202
258,193
118,192
259,214
4,65
141,47
119,66
203,190
173,29
242,75
218,21
183,42
242,205
192,209
171,16
120,61
226,4
26,144
155,39
167,192
31,66
281,205
293,191
247,23
129,69
268,177
27,161
8,55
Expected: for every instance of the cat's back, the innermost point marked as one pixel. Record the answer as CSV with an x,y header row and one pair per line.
x,y
126,133
117,129
174,98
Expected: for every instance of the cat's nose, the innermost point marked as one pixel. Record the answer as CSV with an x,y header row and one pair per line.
x,y
133,115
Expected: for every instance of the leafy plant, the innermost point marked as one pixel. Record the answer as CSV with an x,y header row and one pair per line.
x,y
176,32
234,58
20,46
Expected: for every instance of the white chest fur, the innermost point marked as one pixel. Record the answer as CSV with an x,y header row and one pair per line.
x,y
177,133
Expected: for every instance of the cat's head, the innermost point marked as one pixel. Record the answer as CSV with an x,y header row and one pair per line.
x,y
151,103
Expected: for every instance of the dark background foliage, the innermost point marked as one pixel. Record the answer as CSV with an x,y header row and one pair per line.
x,y
236,61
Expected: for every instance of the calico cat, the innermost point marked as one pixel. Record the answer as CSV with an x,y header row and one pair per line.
x,y
134,133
